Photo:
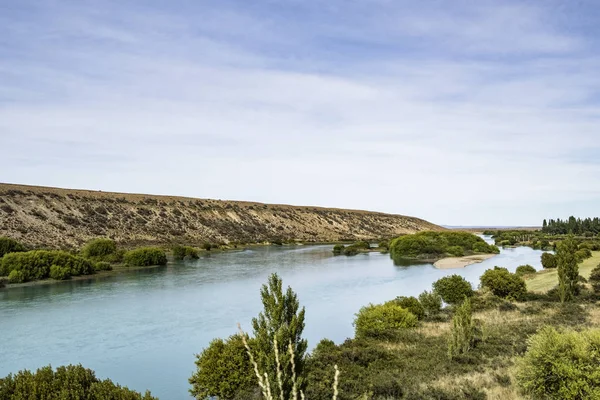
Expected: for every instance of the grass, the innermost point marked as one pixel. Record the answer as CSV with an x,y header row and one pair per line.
x,y
545,280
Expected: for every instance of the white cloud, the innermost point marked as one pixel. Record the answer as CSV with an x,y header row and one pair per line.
x,y
160,102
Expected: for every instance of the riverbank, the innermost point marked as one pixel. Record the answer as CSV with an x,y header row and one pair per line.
x,y
461,262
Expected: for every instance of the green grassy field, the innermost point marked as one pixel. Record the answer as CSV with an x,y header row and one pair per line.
x,y
547,279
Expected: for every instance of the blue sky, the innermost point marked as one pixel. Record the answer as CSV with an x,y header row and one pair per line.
x,y
459,112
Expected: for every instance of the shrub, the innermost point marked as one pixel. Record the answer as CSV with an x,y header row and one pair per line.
x,y
145,257
525,270
60,273
456,251
548,260
438,244
183,252
431,302
103,266
99,248
8,245
338,249
379,321
223,370
462,336
35,265
595,279
453,289
561,365
16,277
504,284
351,250
411,304
70,382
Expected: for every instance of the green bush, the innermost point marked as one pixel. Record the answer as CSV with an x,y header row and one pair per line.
x,y
35,265
8,245
103,266
456,251
548,260
223,370
412,304
431,302
429,245
561,365
453,289
66,383
338,249
381,320
504,284
99,249
60,273
16,277
183,252
462,337
525,270
145,257
595,279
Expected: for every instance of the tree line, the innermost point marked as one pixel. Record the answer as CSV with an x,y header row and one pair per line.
x,y
572,225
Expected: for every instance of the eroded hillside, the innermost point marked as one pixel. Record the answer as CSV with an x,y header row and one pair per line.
x,y
42,216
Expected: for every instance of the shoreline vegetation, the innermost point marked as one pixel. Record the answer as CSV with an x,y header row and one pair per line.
x,y
437,246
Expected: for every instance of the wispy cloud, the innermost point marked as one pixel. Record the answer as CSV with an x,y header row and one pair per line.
x,y
459,112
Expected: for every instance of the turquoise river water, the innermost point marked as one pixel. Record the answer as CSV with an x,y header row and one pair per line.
x,y
143,328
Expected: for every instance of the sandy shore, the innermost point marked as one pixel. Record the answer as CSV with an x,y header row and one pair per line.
x,y
461,262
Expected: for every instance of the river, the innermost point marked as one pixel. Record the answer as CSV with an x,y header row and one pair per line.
x,y
142,328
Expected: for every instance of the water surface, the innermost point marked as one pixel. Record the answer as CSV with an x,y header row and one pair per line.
x,y
142,328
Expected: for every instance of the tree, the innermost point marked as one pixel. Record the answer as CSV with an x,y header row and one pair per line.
x,y
282,321
69,382
568,270
223,370
453,289
462,336
548,260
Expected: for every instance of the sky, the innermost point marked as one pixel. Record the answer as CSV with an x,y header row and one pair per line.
x,y
459,112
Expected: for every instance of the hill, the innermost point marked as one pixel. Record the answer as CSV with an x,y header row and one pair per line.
x,y
66,218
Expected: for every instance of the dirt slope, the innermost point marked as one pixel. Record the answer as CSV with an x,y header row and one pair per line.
x,y
43,216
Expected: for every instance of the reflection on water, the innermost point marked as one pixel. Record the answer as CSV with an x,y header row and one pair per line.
x,y
142,328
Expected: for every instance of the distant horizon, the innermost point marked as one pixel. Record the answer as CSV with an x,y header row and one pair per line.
x,y
470,113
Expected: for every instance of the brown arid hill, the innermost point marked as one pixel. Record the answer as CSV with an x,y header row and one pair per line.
x,y
65,218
